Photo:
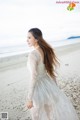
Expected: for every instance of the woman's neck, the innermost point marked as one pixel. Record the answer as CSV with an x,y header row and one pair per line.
x,y
36,47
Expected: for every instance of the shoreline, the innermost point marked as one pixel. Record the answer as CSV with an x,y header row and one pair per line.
x,y
16,60
20,51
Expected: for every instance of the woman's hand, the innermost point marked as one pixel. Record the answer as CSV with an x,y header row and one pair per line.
x,y
29,104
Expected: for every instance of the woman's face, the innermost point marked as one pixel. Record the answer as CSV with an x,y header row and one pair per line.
x,y
31,40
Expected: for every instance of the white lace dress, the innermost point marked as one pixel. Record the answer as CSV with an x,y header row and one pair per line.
x,y
49,102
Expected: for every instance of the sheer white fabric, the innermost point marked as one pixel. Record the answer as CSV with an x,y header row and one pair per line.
x,y
49,102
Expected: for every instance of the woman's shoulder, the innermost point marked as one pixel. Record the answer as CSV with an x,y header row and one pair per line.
x,y
33,53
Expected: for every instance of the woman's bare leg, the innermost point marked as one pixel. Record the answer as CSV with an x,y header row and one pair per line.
x,y
48,109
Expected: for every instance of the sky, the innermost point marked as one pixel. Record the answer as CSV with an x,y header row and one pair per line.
x,y
55,21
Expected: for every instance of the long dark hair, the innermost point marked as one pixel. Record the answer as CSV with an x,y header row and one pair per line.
x,y
50,59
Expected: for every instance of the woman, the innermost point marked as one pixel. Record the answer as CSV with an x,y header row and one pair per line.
x,y
45,100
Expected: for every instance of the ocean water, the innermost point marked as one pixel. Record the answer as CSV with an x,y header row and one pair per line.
x,y
21,49
13,50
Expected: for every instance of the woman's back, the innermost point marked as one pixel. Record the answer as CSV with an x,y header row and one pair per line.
x,y
37,57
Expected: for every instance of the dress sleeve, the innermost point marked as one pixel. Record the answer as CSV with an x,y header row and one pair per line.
x,y
32,66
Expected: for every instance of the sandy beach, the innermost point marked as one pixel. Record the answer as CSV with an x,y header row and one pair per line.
x,y
14,79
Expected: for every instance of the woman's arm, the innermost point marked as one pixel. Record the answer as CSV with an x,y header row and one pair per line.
x,y
32,66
